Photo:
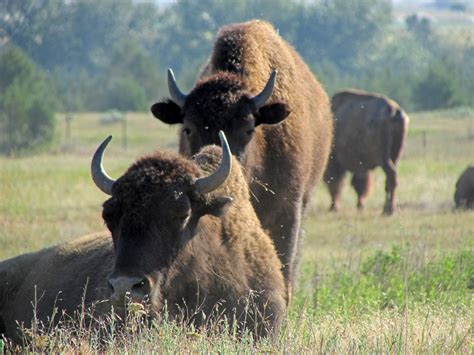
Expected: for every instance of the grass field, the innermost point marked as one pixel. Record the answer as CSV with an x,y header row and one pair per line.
x,y
368,283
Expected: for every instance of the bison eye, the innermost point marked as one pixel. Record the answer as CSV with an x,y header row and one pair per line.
x,y
180,218
250,131
187,131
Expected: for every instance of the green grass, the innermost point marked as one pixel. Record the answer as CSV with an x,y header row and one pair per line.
x,y
368,283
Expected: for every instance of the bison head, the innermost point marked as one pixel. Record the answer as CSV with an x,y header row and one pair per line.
x,y
152,213
220,102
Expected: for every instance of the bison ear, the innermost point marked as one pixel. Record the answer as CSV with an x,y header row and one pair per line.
x,y
272,113
168,112
218,206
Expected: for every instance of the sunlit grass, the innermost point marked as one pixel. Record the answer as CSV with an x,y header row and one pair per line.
x,y
422,330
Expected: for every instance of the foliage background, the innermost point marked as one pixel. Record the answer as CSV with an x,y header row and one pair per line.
x,y
114,54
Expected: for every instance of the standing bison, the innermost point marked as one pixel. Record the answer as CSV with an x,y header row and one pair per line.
x,y
179,240
279,126
464,195
370,131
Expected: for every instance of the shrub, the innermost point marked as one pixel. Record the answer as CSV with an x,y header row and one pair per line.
x,y
26,104
123,94
438,89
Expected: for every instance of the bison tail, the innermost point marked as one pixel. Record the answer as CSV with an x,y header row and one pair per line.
x,y
400,129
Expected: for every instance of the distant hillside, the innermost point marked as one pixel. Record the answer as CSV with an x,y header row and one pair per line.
x,y
441,13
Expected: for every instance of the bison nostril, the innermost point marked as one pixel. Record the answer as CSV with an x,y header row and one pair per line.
x,y
141,286
111,287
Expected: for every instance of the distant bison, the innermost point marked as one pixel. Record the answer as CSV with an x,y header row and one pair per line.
x,y
279,126
191,242
464,195
370,131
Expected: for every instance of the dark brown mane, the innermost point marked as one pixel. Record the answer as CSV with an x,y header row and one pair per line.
x,y
160,169
228,52
212,96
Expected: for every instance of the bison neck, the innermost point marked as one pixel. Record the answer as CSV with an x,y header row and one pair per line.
x,y
223,261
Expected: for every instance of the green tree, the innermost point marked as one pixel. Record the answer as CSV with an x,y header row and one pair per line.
x,y
124,94
438,89
130,59
420,26
26,104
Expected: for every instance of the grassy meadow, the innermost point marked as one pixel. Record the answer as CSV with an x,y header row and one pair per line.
x,y
368,283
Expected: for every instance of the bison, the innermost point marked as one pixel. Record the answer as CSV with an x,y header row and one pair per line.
x,y
179,239
258,90
464,195
370,131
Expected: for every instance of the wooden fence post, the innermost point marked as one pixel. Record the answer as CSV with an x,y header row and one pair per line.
x,y
124,132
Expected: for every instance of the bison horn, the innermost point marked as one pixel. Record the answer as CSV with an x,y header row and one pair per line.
x,y
267,91
103,181
175,93
212,182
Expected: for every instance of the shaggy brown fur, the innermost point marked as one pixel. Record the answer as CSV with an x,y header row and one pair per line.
x,y
464,195
172,237
283,161
60,274
370,131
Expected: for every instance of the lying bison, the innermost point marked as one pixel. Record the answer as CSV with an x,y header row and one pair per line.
x,y
279,126
59,276
191,242
464,195
370,131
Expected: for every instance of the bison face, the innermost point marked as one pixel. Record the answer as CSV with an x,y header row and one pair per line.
x,y
148,234
153,212
220,102
146,239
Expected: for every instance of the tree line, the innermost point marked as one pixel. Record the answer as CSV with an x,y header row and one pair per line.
x,y
100,55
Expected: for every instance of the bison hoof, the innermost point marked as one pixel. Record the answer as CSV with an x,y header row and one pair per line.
x,y
388,211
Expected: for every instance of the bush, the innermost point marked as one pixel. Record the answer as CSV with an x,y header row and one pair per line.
x,y
123,94
26,104
438,89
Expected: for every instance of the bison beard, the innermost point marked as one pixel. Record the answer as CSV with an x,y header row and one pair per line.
x,y
278,125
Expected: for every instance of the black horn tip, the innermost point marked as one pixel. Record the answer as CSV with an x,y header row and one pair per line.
x,y
176,94
108,139
99,176
260,99
104,143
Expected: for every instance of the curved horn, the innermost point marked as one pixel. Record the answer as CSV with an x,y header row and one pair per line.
x,y
103,181
260,99
212,182
175,93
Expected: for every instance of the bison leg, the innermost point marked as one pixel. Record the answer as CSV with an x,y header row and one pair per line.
x,y
391,183
334,178
362,183
285,232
